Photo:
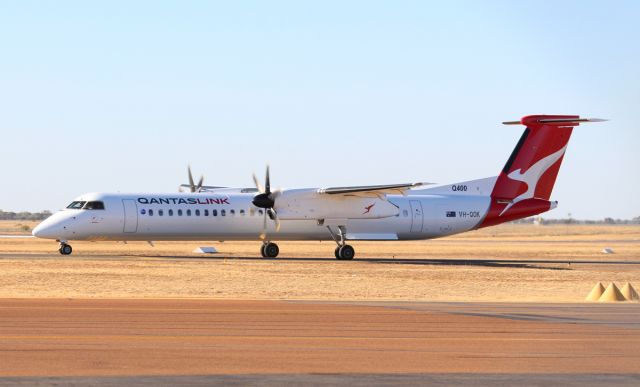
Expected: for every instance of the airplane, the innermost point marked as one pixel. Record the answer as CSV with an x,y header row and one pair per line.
x,y
391,212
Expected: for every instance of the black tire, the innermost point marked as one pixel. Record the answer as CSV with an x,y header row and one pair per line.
x,y
65,249
271,250
337,252
346,252
264,255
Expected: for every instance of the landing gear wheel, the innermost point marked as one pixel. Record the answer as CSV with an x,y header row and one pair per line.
x,y
346,253
65,249
337,252
264,255
270,250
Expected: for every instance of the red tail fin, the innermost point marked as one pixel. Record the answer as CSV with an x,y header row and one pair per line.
x,y
524,186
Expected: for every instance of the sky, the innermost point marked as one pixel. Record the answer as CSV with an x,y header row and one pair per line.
x,y
122,96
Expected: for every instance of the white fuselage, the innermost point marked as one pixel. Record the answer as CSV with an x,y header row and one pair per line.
x,y
230,215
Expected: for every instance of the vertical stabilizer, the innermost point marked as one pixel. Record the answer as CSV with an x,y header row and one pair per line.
x,y
524,186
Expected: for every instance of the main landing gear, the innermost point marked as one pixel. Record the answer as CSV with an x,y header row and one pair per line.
x,y
65,249
346,252
343,252
269,250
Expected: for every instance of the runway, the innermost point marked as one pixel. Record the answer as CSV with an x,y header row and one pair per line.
x,y
168,341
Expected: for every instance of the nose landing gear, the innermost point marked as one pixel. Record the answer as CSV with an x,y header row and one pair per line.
x,y
65,249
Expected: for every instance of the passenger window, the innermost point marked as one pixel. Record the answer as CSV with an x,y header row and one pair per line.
x,y
214,212
260,212
242,212
206,212
143,211
232,212
223,213
197,212
160,212
170,212
94,206
150,212
179,212
188,212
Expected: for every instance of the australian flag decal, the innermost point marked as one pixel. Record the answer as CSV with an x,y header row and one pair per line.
x,y
451,214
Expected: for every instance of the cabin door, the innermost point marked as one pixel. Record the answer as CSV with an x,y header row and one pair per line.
x,y
416,216
130,215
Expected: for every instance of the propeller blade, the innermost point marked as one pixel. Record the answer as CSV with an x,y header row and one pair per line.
x,y
199,186
257,183
275,219
267,182
273,215
275,194
263,235
191,185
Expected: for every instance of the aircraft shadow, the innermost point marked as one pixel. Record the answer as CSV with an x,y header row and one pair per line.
x,y
495,263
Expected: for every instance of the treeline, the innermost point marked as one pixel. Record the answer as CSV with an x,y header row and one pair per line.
x,y
539,220
24,215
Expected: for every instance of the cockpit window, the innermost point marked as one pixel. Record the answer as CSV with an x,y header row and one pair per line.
x,y
94,206
76,205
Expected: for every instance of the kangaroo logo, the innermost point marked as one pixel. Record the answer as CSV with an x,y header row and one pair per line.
x,y
531,176
368,208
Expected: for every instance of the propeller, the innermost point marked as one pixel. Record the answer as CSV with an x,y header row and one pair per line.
x,y
266,200
192,186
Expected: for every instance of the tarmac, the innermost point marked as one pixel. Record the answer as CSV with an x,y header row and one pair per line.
x,y
225,342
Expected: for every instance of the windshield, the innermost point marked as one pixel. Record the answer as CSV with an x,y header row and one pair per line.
x,y
76,205
94,206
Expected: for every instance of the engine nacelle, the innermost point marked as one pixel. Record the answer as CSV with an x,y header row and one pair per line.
x,y
308,204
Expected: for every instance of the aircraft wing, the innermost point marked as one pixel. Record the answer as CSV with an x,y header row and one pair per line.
x,y
371,190
202,188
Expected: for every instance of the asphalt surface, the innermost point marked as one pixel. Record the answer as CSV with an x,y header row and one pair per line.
x,y
198,342
352,380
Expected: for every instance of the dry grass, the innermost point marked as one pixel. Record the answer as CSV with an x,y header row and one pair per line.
x,y
16,227
467,267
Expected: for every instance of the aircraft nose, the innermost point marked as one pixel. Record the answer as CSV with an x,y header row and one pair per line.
x,y
36,231
42,231
48,229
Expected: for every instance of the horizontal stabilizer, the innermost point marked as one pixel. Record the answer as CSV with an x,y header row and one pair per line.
x,y
558,121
